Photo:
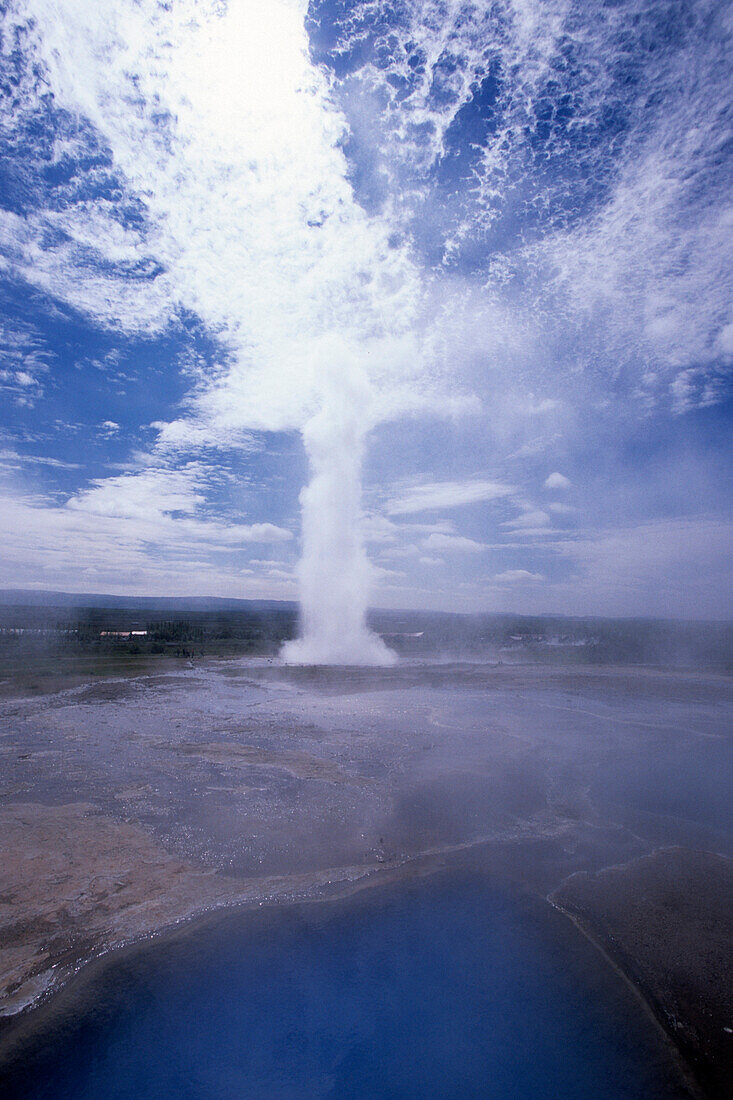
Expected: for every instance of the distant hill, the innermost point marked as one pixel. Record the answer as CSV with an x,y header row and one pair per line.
x,y
23,597
68,620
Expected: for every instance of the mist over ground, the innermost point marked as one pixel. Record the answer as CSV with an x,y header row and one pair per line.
x,y
48,635
150,790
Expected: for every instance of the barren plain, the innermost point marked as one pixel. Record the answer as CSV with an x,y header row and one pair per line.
x,y
131,805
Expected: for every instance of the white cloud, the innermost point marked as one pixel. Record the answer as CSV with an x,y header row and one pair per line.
x,y
557,481
445,494
234,144
676,568
15,460
517,576
725,339
163,506
273,573
24,362
450,543
697,388
536,406
149,494
260,532
93,549
651,271
195,434
532,520
410,551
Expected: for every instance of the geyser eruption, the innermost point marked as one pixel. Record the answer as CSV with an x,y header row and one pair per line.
x,y
334,570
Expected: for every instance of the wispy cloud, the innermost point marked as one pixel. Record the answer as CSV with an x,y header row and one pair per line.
x,y
24,361
166,505
533,519
517,576
670,567
439,495
16,460
133,547
450,543
250,222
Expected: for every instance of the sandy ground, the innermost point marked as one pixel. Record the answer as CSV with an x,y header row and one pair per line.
x,y
128,806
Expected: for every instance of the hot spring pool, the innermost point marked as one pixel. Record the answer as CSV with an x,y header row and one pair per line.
x,y
440,987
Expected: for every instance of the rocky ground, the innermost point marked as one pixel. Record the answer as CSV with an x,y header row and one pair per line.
x,y
130,805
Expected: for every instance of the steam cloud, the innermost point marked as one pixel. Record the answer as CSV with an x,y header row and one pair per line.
x,y
334,570
255,226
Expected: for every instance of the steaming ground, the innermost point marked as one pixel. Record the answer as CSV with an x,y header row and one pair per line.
x,y
128,805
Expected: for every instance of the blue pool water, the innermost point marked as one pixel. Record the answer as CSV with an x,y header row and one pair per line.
x,y
444,987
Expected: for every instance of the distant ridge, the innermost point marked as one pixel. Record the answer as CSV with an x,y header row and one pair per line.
x,y
81,619
39,598
23,597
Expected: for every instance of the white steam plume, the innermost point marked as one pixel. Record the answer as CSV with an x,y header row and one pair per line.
x,y
216,117
334,569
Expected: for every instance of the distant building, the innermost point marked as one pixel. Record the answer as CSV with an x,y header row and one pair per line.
x,y
122,633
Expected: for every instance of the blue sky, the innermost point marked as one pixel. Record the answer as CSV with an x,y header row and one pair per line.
x,y
503,230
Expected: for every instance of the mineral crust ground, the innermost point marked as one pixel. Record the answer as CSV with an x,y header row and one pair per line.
x,y
131,805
